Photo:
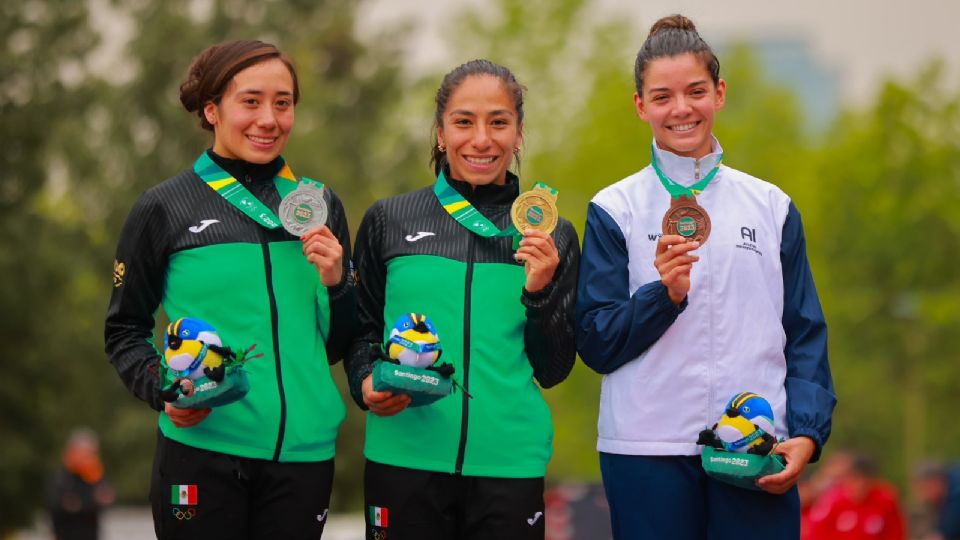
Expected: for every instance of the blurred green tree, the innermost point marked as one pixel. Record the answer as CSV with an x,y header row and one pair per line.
x,y
889,179
41,65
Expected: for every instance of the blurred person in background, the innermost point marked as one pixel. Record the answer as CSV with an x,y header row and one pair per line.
x,y
858,506
817,481
78,492
937,490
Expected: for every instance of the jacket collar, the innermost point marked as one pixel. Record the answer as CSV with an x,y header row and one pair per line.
x,y
247,172
683,170
488,195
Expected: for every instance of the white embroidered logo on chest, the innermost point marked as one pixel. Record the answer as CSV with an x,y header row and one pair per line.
x,y
204,223
419,236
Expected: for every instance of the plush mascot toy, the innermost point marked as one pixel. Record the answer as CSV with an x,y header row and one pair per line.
x,y
192,349
201,372
738,449
746,426
411,362
414,341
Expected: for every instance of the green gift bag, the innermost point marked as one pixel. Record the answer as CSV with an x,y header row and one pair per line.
x,y
738,469
209,393
424,386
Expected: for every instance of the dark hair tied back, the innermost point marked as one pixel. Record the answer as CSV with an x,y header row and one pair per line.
x,y
672,36
453,80
672,22
213,69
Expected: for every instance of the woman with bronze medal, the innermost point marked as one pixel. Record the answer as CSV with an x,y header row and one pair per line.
x,y
495,271
240,252
694,285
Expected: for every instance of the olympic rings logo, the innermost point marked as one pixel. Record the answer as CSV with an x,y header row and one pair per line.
x,y
182,515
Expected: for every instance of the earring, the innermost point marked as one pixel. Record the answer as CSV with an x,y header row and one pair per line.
x,y
441,147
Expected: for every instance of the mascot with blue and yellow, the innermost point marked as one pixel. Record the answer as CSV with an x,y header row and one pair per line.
x,y
414,341
198,371
411,364
738,449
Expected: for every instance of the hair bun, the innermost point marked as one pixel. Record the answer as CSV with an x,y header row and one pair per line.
x,y
190,88
189,94
673,22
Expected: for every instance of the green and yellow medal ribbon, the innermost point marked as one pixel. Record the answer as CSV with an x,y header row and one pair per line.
x,y
461,210
675,189
240,197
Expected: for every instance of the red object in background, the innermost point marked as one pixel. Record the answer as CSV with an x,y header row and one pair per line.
x,y
841,515
577,512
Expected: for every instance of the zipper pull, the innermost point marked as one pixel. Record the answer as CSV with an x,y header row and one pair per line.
x,y
696,169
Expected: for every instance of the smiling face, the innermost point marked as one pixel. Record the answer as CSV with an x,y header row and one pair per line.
x,y
481,130
679,102
255,115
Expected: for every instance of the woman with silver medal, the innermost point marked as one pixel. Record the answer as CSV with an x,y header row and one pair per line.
x,y
213,246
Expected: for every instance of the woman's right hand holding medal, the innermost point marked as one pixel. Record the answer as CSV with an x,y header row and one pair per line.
x,y
674,263
324,252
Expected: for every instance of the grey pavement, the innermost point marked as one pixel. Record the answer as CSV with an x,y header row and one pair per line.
x,y
136,523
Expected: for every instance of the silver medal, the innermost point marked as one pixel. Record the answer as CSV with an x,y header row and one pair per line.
x,y
303,209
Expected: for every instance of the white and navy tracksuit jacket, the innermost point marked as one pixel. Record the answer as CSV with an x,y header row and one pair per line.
x,y
751,320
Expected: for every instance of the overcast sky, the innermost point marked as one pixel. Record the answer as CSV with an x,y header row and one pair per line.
x,y
863,41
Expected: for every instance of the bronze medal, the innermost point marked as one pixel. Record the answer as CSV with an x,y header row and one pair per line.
x,y
687,218
535,209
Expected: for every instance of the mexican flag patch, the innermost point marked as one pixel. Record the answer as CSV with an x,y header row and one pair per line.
x,y
183,494
378,516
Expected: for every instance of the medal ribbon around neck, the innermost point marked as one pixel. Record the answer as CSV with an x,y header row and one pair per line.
x,y
239,196
461,210
675,189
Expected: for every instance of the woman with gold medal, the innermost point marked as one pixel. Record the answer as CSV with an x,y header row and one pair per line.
x,y
240,242
495,271
694,285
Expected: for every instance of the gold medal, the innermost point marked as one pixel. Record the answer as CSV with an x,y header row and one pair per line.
x,y
535,209
687,218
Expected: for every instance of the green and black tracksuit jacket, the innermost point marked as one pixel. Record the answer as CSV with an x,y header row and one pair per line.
x,y
185,247
412,256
